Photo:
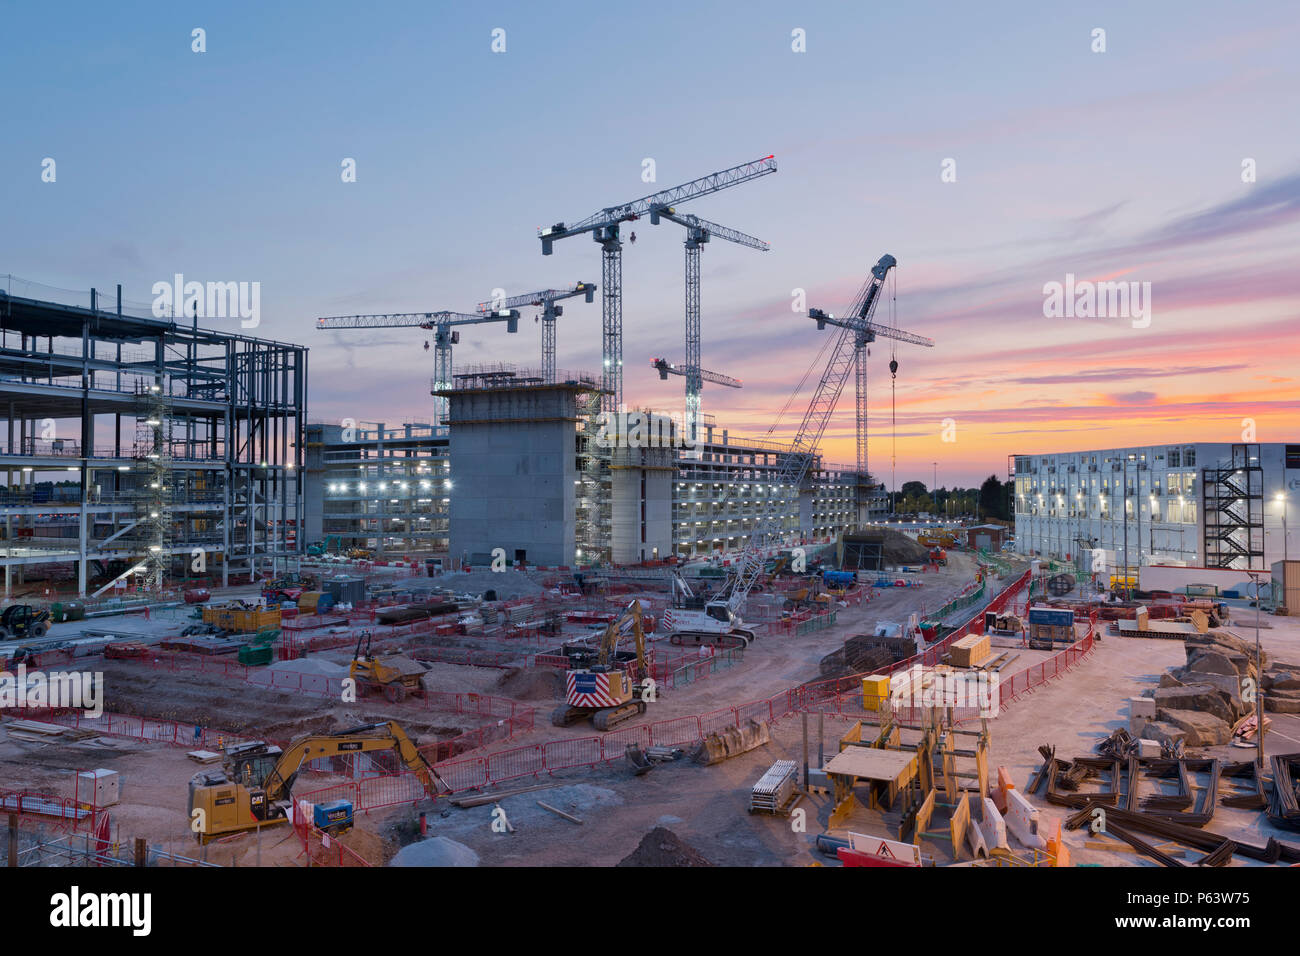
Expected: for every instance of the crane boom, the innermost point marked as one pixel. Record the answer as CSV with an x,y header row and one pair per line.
x,y
667,368
443,325
546,298
631,211
803,449
865,331
604,226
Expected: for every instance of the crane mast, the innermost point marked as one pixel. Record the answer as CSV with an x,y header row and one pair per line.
x,y
604,229
546,299
698,232
803,449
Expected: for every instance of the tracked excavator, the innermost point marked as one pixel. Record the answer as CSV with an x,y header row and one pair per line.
x,y
602,692
254,786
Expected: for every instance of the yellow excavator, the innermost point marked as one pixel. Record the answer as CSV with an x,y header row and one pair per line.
x,y
603,692
254,786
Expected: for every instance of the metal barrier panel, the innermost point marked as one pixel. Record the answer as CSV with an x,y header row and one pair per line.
x,y
679,730
614,743
519,762
759,710
574,752
717,721
389,790
466,774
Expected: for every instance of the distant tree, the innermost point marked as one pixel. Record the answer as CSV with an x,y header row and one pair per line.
x,y
993,498
912,489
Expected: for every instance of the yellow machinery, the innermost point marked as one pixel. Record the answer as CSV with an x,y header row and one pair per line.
x,y
603,692
253,788
395,675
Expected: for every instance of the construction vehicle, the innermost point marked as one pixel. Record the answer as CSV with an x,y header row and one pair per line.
x,y
937,539
939,556
395,676
717,624
22,620
324,547
360,554
254,786
603,692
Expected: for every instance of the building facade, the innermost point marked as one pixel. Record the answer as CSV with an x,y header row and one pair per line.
x,y
1199,504
385,489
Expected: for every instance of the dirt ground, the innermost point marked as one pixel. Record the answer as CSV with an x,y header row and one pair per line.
x,y
705,808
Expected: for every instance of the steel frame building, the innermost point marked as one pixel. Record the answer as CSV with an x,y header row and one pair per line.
x,y
135,445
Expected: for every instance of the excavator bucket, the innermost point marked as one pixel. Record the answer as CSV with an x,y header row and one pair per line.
x,y
718,746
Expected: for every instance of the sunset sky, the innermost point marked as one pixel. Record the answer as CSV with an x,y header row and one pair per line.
x,y
1118,165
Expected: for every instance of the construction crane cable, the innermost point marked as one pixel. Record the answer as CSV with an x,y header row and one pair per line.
x,y
817,362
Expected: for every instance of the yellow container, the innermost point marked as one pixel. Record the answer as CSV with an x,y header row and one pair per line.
x,y
875,691
239,619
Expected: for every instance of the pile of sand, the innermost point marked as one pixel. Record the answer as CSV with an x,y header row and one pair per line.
x,y
313,666
531,683
663,847
438,851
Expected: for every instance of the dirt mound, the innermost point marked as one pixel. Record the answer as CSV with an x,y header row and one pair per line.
x,y
371,847
900,549
531,683
663,847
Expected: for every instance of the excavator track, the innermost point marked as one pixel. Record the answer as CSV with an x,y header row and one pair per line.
x,y
610,716
566,716
739,639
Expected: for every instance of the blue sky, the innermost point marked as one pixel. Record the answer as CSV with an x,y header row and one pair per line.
x,y
225,165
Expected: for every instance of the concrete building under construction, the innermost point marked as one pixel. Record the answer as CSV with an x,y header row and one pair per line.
x,y
140,451
530,469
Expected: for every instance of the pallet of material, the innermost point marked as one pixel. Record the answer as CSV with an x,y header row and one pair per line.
x,y
970,651
1170,630
775,790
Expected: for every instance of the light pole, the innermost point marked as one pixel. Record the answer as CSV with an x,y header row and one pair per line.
x,y
1281,496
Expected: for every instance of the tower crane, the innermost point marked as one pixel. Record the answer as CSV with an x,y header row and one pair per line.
x,y
546,298
445,335
604,229
865,331
698,232
721,616
667,368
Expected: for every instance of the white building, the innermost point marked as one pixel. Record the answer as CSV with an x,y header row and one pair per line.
x,y
1204,504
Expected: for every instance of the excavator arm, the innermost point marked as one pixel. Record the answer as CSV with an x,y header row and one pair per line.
x,y
614,633
363,739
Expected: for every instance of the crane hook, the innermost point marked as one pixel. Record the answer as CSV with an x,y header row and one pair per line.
x,y
893,368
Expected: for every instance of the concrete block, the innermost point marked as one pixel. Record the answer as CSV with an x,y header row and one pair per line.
x,y
992,826
1022,821
1142,707
1148,748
